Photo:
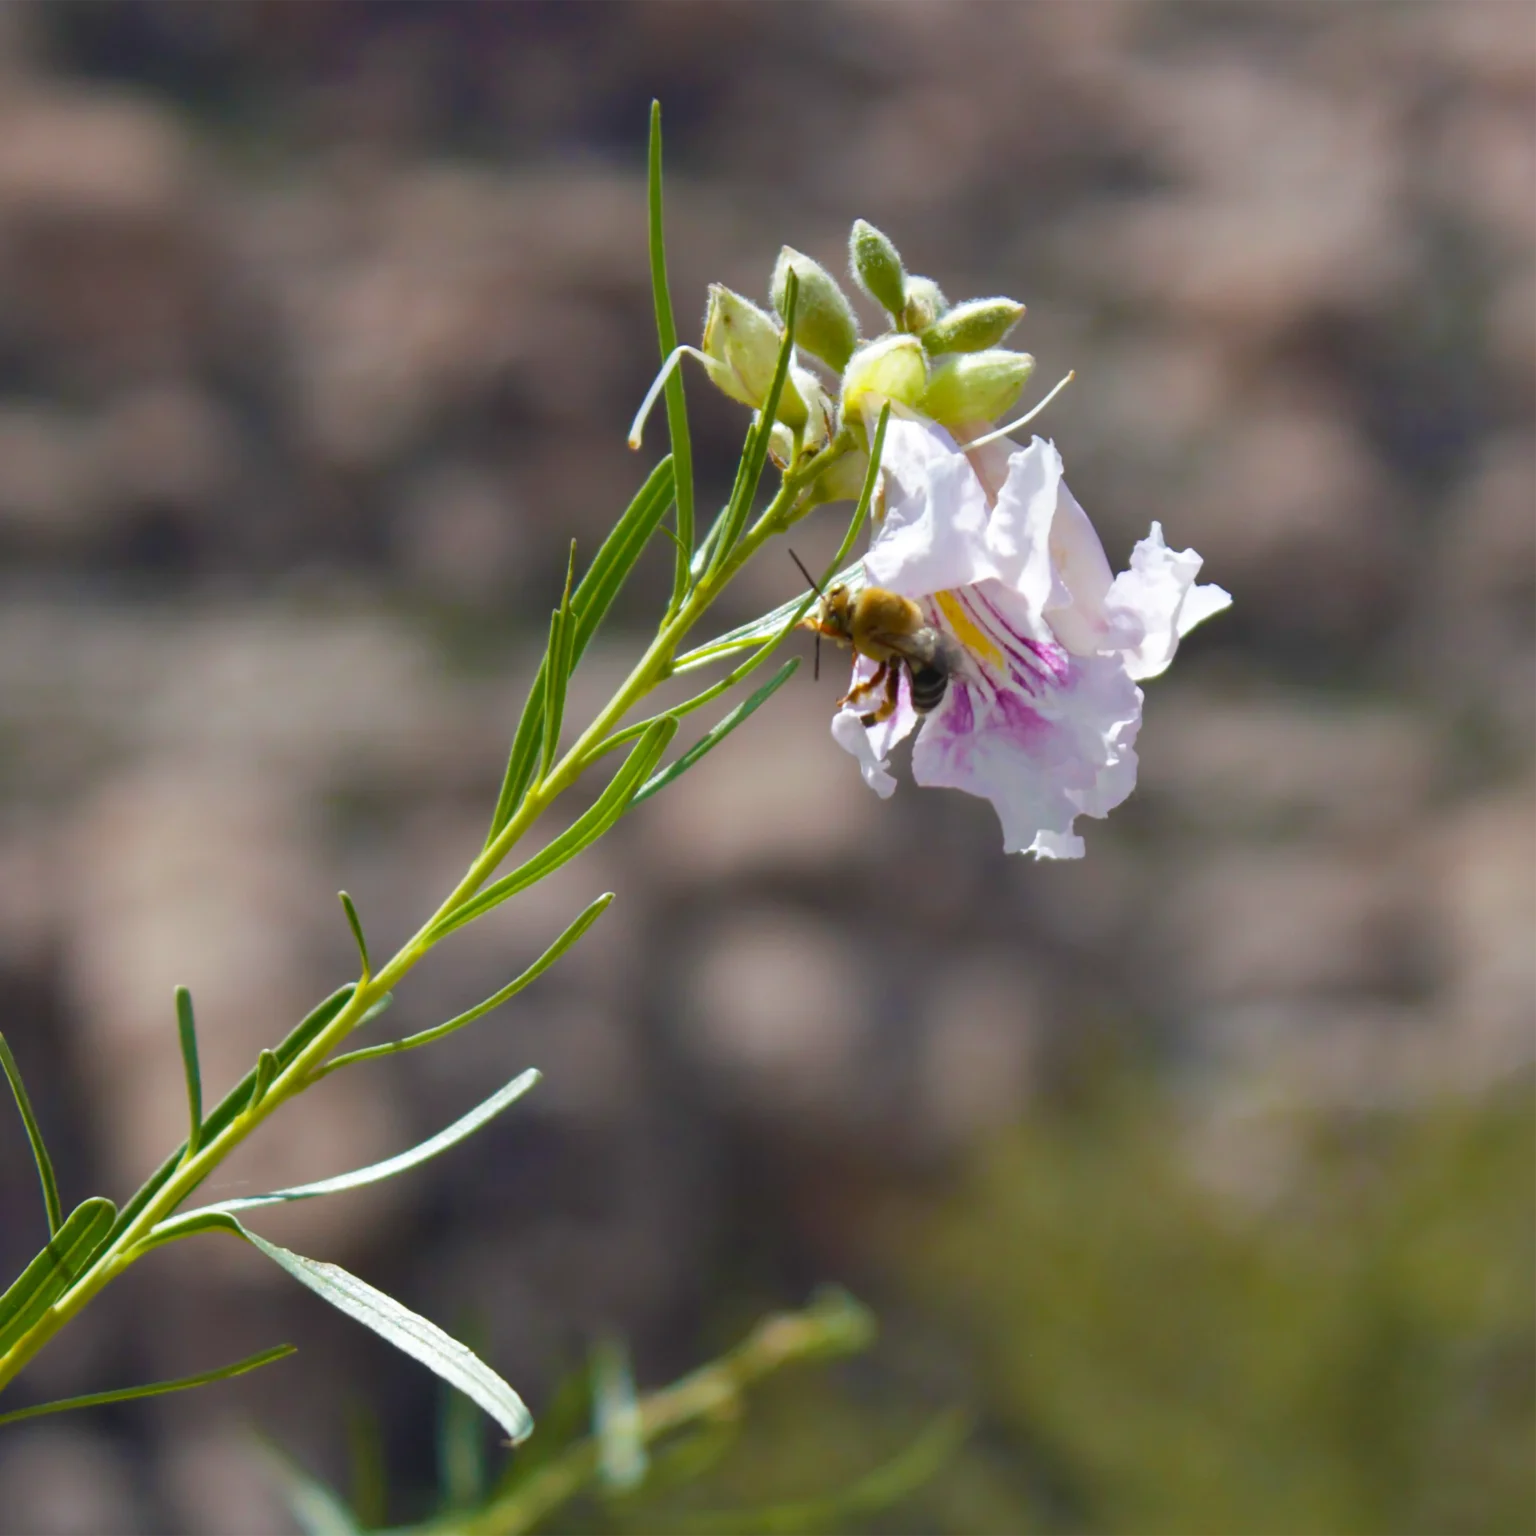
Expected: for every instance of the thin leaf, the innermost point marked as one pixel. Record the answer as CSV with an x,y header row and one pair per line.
x,y
621,1456
589,603
67,1256
786,615
410,1333
887,1485
40,1156
267,1068
234,1102
495,1000
557,667
424,1151
750,471
586,829
186,1030
666,335
155,1388
356,924
365,1454
461,1446
712,739
316,1509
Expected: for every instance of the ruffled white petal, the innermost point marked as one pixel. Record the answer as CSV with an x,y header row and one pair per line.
x,y
872,747
1156,602
1042,759
936,514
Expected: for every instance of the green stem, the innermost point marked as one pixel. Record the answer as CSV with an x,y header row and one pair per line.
x,y
298,1075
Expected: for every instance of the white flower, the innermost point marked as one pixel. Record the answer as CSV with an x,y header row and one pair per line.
x,y
1042,709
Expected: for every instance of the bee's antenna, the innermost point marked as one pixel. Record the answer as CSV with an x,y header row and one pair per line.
x,y
816,588
814,584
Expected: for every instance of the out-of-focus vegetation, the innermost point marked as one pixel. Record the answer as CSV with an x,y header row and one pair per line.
x,y
1145,1351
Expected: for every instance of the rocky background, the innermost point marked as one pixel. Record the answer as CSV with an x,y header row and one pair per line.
x,y
1197,1172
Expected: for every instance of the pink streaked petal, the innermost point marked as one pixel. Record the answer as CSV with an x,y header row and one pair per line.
x,y
1157,602
1043,760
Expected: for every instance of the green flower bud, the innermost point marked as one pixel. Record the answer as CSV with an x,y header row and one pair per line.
x,y
876,266
893,368
741,351
842,480
975,386
973,326
925,303
824,319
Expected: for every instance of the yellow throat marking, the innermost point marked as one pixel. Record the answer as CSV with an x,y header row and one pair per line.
x,y
967,631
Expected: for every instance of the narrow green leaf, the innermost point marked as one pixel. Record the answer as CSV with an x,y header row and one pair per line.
x,y
586,829
786,615
356,924
316,1509
465,1125
666,335
713,738
267,1068
186,1029
621,1455
235,1101
365,1454
897,1479
40,1156
154,1388
589,603
557,667
495,1000
461,1444
410,1333
67,1256
755,456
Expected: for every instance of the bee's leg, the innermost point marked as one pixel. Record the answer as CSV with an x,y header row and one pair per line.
x,y
888,703
861,691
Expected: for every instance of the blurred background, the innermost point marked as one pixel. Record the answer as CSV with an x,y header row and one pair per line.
x,y
1199,1173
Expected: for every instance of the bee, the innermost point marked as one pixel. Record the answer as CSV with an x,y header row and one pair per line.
x,y
890,630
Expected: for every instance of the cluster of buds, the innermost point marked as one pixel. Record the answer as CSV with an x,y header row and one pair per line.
x,y
944,362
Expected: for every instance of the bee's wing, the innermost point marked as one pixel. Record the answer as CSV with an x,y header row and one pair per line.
x,y
918,647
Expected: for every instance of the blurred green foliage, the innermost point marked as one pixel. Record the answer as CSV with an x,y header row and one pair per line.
x,y
1348,1349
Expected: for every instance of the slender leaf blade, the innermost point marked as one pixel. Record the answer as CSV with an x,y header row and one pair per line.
x,y
45,1174
450,1136
155,1388
589,603
317,1510
712,739
355,923
234,1102
586,829
186,1031
666,335
408,1331
66,1257
426,1036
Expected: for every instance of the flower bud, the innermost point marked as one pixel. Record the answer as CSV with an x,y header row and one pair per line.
x,y
876,266
842,480
973,326
893,368
818,408
924,304
824,319
975,386
741,351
